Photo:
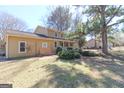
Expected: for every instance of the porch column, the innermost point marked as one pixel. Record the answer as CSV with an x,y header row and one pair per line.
x,y
57,43
64,44
69,44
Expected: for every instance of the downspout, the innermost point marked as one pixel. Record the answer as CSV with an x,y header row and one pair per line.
x,y
7,50
36,54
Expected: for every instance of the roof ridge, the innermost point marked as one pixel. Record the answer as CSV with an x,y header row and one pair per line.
x,y
20,31
39,35
49,28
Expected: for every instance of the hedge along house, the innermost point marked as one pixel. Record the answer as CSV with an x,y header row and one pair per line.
x,y
41,42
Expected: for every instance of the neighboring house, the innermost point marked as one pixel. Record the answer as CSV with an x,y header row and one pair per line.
x,y
42,41
91,44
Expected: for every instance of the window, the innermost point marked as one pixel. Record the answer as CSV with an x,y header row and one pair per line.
x,y
55,44
71,44
22,46
44,45
55,34
61,35
66,44
61,43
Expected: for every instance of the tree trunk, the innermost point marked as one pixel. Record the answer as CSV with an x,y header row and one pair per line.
x,y
104,41
113,44
95,42
104,30
79,43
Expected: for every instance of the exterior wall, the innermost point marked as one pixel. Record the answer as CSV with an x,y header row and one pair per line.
x,y
52,33
45,51
60,35
91,44
48,32
34,47
41,30
76,45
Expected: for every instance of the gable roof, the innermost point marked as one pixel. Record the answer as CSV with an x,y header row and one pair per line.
x,y
31,35
48,29
45,36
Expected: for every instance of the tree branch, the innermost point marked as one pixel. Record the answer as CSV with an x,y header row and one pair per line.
x,y
113,15
98,9
115,23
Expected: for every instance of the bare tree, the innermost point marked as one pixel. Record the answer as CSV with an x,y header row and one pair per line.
x,y
59,18
9,22
76,19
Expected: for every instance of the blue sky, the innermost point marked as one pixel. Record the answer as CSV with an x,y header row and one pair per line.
x,y
32,15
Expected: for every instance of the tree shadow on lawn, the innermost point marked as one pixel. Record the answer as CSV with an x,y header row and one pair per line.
x,y
116,56
63,78
110,68
72,61
113,67
74,78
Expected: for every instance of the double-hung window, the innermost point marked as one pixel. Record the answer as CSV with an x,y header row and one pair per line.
x,y
44,45
22,47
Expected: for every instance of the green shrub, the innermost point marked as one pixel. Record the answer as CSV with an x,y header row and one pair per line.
x,y
68,54
58,49
88,53
85,53
69,48
65,54
76,55
78,50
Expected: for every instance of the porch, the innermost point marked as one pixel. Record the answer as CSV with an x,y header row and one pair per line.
x,y
64,43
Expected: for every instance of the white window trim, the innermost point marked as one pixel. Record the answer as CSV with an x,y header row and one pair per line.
x,y
19,46
45,43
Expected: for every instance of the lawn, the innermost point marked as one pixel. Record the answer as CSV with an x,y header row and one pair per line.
x,y
52,72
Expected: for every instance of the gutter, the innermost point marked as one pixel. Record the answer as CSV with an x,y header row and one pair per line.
x,y
39,38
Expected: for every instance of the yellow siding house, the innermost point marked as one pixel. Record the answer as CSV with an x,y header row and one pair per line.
x,y
41,42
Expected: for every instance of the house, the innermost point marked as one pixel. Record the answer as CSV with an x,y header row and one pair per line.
x,y
91,43
42,41
2,48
